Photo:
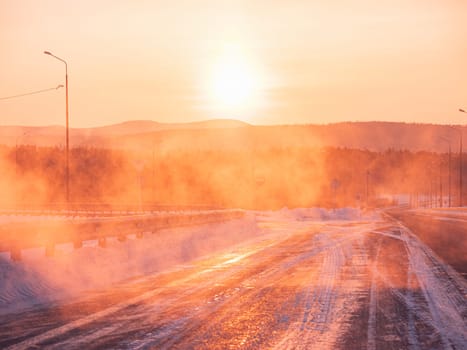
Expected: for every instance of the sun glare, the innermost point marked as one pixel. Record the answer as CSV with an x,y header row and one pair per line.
x,y
234,82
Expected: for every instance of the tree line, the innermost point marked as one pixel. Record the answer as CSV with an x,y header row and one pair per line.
x,y
266,178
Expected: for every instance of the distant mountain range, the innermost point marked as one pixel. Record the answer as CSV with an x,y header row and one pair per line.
x,y
234,134
51,134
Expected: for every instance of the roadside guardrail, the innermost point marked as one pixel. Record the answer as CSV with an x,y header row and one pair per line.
x,y
16,236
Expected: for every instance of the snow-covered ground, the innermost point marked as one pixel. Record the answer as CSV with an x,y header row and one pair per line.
x,y
291,279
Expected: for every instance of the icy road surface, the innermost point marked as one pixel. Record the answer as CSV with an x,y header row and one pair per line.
x,y
323,285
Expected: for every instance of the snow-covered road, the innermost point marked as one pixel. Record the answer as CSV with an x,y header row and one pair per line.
x,y
301,284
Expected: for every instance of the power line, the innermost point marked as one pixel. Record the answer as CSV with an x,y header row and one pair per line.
x,y
31,93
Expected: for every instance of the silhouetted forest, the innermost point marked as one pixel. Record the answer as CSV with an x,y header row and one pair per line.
x,y
257,178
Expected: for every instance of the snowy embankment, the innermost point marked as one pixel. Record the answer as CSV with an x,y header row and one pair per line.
x,y
38,279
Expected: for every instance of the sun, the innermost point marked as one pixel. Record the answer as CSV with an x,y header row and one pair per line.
x,y
235,84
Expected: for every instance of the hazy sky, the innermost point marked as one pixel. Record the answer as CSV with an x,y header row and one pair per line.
x,y
261,61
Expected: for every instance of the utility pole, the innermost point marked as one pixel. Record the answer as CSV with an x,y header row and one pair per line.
x,y
449,169
367,180
460,171
440,184
459,130
449,181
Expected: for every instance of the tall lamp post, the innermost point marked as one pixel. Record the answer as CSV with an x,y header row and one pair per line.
x,y
449,176
67,169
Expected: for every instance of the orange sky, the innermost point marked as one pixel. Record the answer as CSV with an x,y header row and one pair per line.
x,y
307,61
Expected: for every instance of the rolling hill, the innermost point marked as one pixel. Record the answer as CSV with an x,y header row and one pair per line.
x,y
233,134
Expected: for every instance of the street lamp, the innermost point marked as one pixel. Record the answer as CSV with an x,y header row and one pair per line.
x,y
67,169
449,178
